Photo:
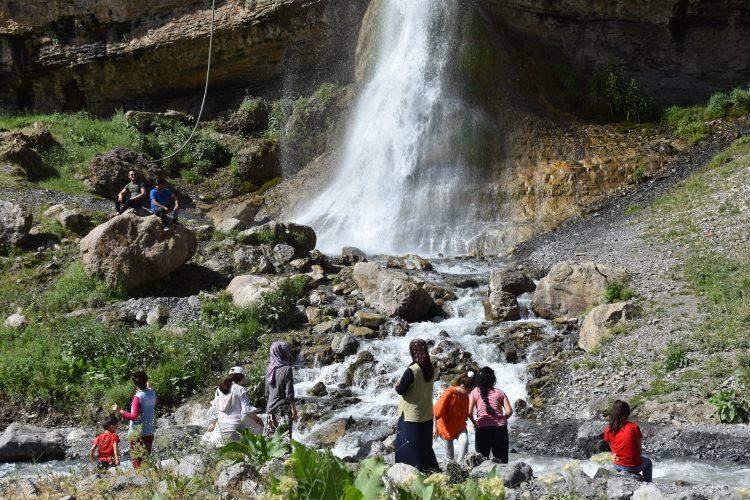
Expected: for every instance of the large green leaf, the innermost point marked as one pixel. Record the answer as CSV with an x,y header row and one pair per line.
x,y
370,477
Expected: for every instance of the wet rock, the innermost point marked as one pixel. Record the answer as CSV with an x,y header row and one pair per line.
x,y
364,361
248,290
344,344
396,327
314,315
26,443
590,438
409,262
301,238
597,323
392,292
108,172
318,354
439,293
362,332
131,251
319,390
15,223
368,319
75,221
326,327
502,306
570,288
352,255
327,435
466,283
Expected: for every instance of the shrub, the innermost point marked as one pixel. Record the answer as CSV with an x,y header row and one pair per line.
x,y
202,155
730,407
250,104
74,290
618,291
617,96
277,310
257,449
675,357
740,101
718,106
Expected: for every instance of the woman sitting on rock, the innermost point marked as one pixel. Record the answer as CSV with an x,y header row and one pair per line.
x,y
142,418
415,417
232,410
493,411
451,412
280,408
626,442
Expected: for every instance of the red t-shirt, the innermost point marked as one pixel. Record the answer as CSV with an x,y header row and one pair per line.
x,y
106,443
624,444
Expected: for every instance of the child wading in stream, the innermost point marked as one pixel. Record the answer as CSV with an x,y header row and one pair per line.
x,y
493,411
626,442
105,445
451,413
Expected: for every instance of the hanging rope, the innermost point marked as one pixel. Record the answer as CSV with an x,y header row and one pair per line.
x,y
205,89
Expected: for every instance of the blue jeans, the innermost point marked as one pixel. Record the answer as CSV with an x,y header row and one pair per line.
x,y
646,468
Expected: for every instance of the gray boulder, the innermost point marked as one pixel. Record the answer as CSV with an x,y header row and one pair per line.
x,y
15,223
231,224
352,255
597,323
131,251
400,476
190,466
283,253
16,321
75,221
648,491
571,288
344,344
501,306
301,238
590,438
512,474
27,443
234,475
392,292
247,290
620,488
511,281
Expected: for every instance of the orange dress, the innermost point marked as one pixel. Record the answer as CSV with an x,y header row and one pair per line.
x,y
451,412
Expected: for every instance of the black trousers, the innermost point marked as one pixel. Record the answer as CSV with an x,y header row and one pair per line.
x,y
493,439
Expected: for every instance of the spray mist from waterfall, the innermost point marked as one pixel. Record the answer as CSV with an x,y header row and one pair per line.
x,y
401,184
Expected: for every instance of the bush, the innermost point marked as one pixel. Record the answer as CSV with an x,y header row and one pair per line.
x,y
618,291
718,106
730,407
75,289
202,155
675,357
277,310
740,99
619,97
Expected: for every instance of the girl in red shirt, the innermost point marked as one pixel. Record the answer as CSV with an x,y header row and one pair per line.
x,y
626,442
451,412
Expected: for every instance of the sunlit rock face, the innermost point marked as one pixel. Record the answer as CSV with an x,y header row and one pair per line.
x,y
151,54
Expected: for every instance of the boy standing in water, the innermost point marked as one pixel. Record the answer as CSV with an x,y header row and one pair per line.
x,y
106,443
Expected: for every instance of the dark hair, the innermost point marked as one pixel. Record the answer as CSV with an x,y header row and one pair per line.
x,y
109,422
618,416
159,180
139,378
486,381
465,380
226,385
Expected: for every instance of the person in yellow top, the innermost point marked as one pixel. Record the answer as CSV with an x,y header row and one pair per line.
x,y
413,431
451,413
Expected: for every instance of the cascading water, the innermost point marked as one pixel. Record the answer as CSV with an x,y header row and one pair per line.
x,y
404,183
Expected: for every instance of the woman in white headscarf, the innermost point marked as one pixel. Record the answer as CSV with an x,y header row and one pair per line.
x,y
232,411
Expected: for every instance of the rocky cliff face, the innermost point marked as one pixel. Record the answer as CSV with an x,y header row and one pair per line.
x,y
103,55
680,50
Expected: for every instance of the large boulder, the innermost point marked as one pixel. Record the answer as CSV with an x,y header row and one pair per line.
x,y
131,251
571,288
108,172
505,285
247,290
243,210
502,306
392,292
590,438
258,161
512,474
352,255
27,443
301,238
75,221
15,223
19,153
400,476
597,324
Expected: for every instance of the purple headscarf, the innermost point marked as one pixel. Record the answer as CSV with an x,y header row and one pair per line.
x,y
280,355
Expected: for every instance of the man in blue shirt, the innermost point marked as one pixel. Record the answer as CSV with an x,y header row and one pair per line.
x,y
164,202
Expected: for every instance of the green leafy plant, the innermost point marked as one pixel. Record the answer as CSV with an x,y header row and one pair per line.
x,y
730,407
618,291
675,357
369,480
618,96
277,309
319,475
257,449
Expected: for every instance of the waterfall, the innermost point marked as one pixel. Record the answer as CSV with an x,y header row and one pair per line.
x,y
402,184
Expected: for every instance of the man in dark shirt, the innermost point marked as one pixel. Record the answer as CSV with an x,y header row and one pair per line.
x,y
132,195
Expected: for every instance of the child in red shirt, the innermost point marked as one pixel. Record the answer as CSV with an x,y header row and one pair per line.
x,y
451,413
626,442
106,443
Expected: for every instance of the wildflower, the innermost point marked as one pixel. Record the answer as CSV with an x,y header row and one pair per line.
x,y
492,487
287,486
439,480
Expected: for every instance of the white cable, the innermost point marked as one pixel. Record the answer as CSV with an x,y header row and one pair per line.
x,y
205,90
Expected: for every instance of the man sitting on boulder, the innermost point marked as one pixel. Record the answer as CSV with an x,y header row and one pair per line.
x,y
132,195
164,202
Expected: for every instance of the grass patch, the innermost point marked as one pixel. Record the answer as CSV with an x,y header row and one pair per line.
x,y
689,123
618,291
75,290
675,357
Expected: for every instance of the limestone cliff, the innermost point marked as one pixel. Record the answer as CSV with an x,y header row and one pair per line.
x,y
100,55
